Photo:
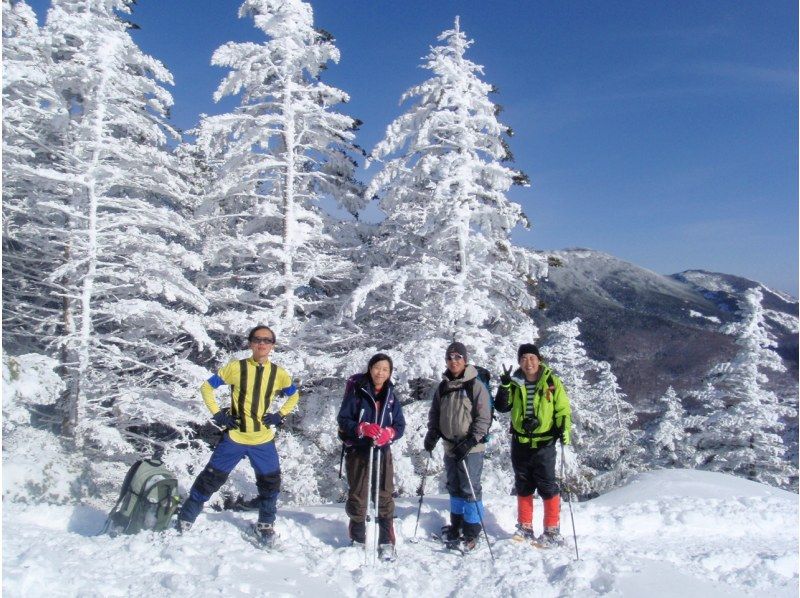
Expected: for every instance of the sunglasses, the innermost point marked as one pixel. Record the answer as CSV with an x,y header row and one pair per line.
x,y
454,357
262,340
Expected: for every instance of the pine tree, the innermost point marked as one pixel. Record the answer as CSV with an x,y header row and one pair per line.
x,y
603,434
440,265
567,357
744,436
667,439
33,181
270,252
116,229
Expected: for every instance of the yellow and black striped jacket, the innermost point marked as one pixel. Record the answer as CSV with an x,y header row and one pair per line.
x,y
253,387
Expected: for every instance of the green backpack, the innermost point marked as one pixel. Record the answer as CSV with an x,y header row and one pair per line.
x,y
147,501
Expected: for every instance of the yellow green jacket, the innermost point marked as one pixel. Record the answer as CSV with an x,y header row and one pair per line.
x,y
253,387
550,406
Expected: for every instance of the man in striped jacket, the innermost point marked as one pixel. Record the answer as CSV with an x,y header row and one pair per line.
x,y
248,430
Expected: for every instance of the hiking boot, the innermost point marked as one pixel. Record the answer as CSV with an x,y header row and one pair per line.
x,y
551,538
181,525
524,533
386,552
385,530
469,543
264,533
472,532
357,531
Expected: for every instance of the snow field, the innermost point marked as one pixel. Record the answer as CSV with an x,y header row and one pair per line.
x,y
716,535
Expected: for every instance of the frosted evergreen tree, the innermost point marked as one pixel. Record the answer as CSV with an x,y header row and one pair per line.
x,y
667,439
604,439
270,252
441,264
114,236
566,355
744,437
33,187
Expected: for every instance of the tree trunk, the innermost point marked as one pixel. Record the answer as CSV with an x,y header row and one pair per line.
x,y
288,202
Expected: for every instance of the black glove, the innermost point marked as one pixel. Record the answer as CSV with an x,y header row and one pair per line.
x,y
273,419
505,378
224,419
463,447
431,438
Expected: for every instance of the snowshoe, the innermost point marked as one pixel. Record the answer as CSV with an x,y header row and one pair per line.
x,y
387,553
454,545
468,544
450,533
551,538
181,526
524,533
261,535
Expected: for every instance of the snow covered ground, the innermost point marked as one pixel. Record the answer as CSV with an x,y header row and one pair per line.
x,y
668,533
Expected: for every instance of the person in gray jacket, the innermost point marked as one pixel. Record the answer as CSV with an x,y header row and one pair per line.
x,y
460,415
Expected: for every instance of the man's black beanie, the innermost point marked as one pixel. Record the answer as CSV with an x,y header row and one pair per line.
x,y
456,347
527,348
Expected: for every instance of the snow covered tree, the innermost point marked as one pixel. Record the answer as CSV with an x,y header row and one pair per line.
x,y
441,264
566,355
33,119
113,233
269,249
667,439
744,436
603,436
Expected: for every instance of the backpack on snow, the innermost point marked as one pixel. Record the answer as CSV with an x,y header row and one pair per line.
x,y
147,501
484,377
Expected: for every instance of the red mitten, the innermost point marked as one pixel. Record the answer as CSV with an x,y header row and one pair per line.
x,y
368,429
385,436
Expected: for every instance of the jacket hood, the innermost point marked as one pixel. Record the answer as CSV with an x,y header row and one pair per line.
x,y
469,373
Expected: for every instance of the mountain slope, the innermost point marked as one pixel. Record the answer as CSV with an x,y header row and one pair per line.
x,y
654,330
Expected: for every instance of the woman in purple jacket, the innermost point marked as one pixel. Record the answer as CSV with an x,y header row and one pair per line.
x,y
371,418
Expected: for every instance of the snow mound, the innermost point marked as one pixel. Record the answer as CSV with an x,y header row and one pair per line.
x,y
667,533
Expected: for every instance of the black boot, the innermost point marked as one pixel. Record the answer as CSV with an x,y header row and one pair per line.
x,y
452,532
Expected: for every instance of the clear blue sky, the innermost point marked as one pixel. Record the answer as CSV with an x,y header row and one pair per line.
x,y
661,132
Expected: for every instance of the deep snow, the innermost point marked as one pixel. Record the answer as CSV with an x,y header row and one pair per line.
x,y
667,533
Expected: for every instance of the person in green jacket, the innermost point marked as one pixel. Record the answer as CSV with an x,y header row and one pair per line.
x,y
540,416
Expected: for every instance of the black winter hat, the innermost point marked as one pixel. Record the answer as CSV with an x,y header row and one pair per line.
x,y
380,357
456,347
527,348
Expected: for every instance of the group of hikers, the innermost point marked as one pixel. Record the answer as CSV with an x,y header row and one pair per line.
x,y
371,419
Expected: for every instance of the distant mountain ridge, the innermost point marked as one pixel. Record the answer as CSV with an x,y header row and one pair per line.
x,y
657,330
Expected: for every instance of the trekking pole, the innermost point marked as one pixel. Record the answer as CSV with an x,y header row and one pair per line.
x,y
421,494
480,516
369,495
376,505
569,502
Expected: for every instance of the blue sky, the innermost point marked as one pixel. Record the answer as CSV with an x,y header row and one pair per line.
x,y
661,132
